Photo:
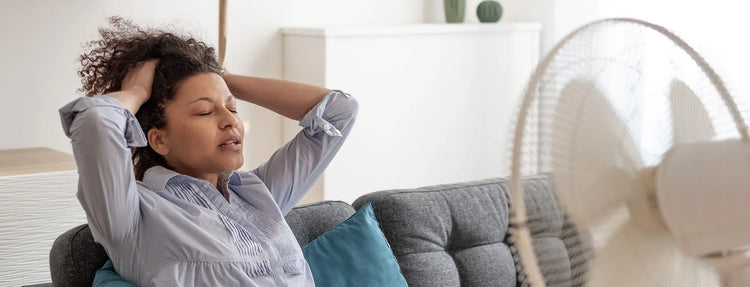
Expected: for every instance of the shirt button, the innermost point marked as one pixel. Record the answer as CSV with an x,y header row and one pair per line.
x,y
327,127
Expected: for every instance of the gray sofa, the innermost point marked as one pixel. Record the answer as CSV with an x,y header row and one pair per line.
x,y
446,235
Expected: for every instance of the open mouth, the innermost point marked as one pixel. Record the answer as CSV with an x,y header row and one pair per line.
x,y
229,143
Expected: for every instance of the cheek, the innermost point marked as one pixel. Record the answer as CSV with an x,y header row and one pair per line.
x,y
191,138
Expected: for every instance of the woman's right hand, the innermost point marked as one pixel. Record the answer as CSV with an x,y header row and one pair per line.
x,y
136,86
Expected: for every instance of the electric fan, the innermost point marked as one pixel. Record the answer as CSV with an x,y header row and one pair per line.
x,y
648,154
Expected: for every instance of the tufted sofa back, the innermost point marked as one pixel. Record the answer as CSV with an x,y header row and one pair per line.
x,y
457,234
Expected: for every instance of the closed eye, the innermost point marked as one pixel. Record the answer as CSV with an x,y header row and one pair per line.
x,y
205,113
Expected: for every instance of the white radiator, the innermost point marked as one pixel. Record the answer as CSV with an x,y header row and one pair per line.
x,y
34,210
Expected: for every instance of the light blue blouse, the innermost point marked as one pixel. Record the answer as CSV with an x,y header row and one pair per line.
x,y
174,230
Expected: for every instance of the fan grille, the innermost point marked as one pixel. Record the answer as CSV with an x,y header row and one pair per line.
x,y
607,104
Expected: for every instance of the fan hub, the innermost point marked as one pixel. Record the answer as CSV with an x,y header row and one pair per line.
x,y
643,207
703,190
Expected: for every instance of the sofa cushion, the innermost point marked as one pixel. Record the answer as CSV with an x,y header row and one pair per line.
x,y
311,220
562,252
456,234
75,257
448,235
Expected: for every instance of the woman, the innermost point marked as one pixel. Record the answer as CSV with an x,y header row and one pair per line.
x,y
173,211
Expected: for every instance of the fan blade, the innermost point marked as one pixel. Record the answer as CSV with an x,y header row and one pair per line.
x,y
637,256
690,119
595,159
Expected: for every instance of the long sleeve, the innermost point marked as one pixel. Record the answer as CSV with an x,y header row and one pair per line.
x,y
293,169
101,130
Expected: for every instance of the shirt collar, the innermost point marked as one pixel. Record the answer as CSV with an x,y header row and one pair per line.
x,y
157,177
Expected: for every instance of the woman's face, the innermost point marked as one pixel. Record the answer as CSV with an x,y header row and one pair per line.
x,y
203,134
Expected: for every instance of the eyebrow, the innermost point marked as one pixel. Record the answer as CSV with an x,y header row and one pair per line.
x,y
207,99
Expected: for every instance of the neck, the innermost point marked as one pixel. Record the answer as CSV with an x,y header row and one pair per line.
x,y
212,178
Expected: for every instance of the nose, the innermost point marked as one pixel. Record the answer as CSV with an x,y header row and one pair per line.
x,y
228,119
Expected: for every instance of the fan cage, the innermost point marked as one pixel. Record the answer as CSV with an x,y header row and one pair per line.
x,y
631,65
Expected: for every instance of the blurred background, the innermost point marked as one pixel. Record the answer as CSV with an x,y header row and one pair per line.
x,y
41,39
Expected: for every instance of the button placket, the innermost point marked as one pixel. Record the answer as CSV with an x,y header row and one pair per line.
x,y
225,209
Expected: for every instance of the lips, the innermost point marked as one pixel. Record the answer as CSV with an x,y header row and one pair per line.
x,y
231,143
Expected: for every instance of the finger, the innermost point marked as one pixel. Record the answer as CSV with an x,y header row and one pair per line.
x,y
145,64
151,63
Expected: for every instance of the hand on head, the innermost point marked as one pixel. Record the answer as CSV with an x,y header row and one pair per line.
x,y
139,79
136,86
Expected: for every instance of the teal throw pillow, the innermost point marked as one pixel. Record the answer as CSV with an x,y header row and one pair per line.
x,y
108,277
354,253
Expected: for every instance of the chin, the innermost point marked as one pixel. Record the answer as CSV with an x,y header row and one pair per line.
x,y
226,162
235,164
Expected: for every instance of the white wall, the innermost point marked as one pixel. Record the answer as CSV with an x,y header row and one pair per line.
x,y
255,46
39,43
717,29
40,40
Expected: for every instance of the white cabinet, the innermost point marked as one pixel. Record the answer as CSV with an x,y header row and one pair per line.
x,y
436,100
38,197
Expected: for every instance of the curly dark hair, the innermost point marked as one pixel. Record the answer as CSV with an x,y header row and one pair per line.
x,y
124,44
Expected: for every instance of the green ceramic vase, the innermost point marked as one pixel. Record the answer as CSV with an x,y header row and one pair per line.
x,y
489,11
454,10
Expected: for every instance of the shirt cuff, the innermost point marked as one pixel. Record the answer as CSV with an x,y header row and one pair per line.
x,y
314,120
133,133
